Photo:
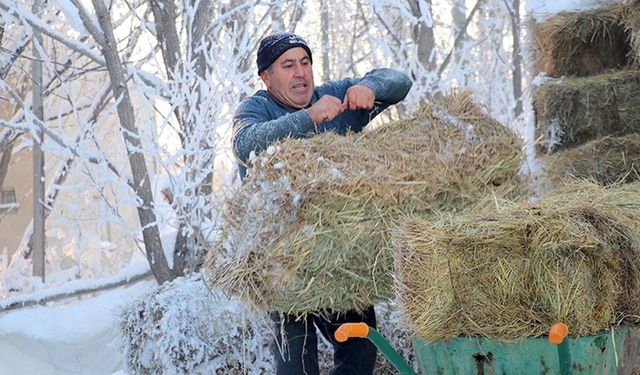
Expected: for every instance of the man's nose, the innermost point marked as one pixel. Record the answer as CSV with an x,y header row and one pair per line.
x,y
299,71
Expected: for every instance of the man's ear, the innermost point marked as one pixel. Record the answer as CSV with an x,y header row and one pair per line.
x,y
265,78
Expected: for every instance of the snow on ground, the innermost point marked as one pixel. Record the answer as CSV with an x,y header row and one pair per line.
x,y
79,337
181,327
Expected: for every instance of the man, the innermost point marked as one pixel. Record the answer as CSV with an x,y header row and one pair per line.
x,y
292,106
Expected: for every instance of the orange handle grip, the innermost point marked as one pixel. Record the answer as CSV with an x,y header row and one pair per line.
x,y
557,333
350,330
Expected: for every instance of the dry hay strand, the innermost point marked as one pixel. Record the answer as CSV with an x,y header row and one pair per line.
x,y
309,229
573,111
582,43
631,22
608,161
572,257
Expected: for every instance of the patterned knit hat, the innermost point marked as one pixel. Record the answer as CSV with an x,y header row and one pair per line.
x,y
274,45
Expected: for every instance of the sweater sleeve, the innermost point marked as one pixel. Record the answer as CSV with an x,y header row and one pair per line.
x,y
389,86
254,130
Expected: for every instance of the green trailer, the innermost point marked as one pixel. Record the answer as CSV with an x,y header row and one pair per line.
x,y
610,352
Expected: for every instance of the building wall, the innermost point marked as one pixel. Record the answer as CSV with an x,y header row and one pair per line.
x,y
14,221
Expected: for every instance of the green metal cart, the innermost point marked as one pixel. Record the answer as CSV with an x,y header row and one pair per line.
x,y
555,354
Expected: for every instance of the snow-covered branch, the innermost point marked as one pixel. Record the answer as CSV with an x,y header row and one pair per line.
x,y
71,290
21,13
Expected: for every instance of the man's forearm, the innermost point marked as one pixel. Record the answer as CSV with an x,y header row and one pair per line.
x,y
253,135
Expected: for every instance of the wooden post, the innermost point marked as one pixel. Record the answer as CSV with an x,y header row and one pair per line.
x,y
38,155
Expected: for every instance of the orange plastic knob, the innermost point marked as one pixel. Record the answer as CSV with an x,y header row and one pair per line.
x,y
557,333
350,330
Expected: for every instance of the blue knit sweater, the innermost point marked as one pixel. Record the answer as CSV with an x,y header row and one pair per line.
x,y
261,120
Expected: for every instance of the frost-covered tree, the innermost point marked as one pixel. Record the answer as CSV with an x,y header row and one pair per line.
x,y
184,97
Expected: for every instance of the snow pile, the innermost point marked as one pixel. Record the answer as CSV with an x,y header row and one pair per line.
x,y
183,328
71,337
389,318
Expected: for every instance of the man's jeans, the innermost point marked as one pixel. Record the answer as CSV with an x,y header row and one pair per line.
x,y
298,354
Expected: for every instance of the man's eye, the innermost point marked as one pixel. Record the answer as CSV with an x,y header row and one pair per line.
x,y
287,66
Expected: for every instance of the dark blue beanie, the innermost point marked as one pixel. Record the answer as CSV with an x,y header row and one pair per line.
x,y
274,45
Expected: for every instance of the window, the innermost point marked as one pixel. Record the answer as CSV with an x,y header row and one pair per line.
x,y
8,196
8,201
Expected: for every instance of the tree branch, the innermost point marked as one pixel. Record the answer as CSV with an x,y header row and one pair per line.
x,y
53,136
459,37
64,295
35,22
7,138
87,22
44,28
19,45
5,158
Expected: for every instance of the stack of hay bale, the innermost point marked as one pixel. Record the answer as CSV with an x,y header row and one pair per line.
x,y
310,228
573,256
588,113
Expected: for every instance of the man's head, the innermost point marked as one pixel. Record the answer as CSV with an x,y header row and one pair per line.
x,y
285,66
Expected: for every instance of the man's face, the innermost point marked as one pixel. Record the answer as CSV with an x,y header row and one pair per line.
x,y
290,78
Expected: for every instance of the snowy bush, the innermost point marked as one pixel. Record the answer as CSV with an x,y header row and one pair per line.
x,y
184,328
388,319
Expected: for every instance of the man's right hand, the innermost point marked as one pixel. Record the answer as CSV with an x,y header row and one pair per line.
x,y
325,109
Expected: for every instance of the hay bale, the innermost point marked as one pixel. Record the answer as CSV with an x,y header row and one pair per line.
x,y
573,257
573,111
582,43
631,22
607,160
309,229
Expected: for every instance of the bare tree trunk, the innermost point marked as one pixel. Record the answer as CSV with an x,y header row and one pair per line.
x,y
201,18
296,14
38,155
423,33
200,21
164,13
517,57
63,172
277,19
4,164
169,41
236,26
458,16
324,22
460,37
146,214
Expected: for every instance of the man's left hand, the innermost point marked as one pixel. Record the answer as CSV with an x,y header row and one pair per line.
x,y
359,97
